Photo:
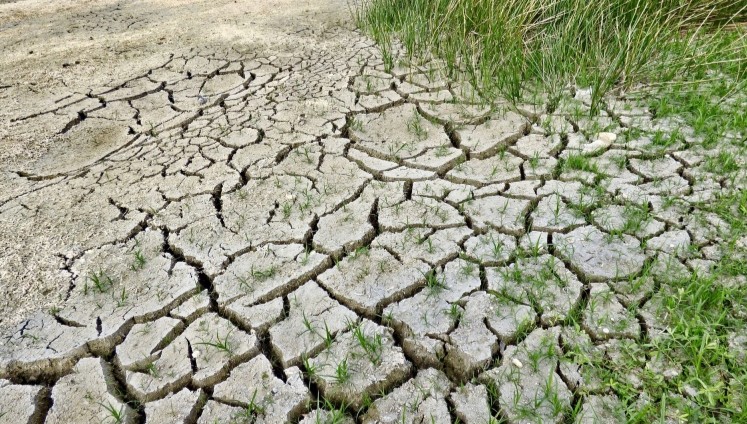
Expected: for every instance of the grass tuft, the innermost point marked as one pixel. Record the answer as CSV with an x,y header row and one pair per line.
x,y
521,49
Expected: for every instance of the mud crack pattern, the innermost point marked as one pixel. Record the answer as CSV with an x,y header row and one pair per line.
x,y
265,239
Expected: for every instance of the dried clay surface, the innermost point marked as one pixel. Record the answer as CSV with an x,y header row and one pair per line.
x,y
236,212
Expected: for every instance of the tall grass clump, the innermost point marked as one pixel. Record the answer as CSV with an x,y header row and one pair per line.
x,y
516,48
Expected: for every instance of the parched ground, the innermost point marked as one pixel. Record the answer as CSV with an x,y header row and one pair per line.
x,y
232,212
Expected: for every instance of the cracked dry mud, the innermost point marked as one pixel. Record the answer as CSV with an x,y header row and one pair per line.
x,y
243,232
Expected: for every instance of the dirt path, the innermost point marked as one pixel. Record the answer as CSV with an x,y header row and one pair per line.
x,y
216,211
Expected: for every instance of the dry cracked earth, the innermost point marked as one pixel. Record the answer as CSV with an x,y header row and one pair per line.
x,y
272,233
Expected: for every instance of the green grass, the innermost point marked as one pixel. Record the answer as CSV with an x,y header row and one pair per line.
x,y
699,312
684,60
518,49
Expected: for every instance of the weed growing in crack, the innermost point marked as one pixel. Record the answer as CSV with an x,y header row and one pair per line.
x,y
468,268
115,414
356,124
139,262
579,162
306,256
221,344
152,369
442,150
251,411
372,346
332,414
307,155
100,280
342,373
415,126
121,299
665,140
328,337
360,252
263,274
454,312
307,324
287,209
434,281
310,369
387,318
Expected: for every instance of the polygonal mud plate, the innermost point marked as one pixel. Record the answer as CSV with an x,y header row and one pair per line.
x,y
423,212
272,399
471,403
435,247
490,249
424,320
422,399
487,322
542,281
487,138
212,344
359,364
397,133
268,272
499,213
21,403
41,346
528,386
313,320
86,396
598,256
372,278
119,285
501,168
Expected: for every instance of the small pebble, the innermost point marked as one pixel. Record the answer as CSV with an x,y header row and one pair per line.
x,y
607,137
517,363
